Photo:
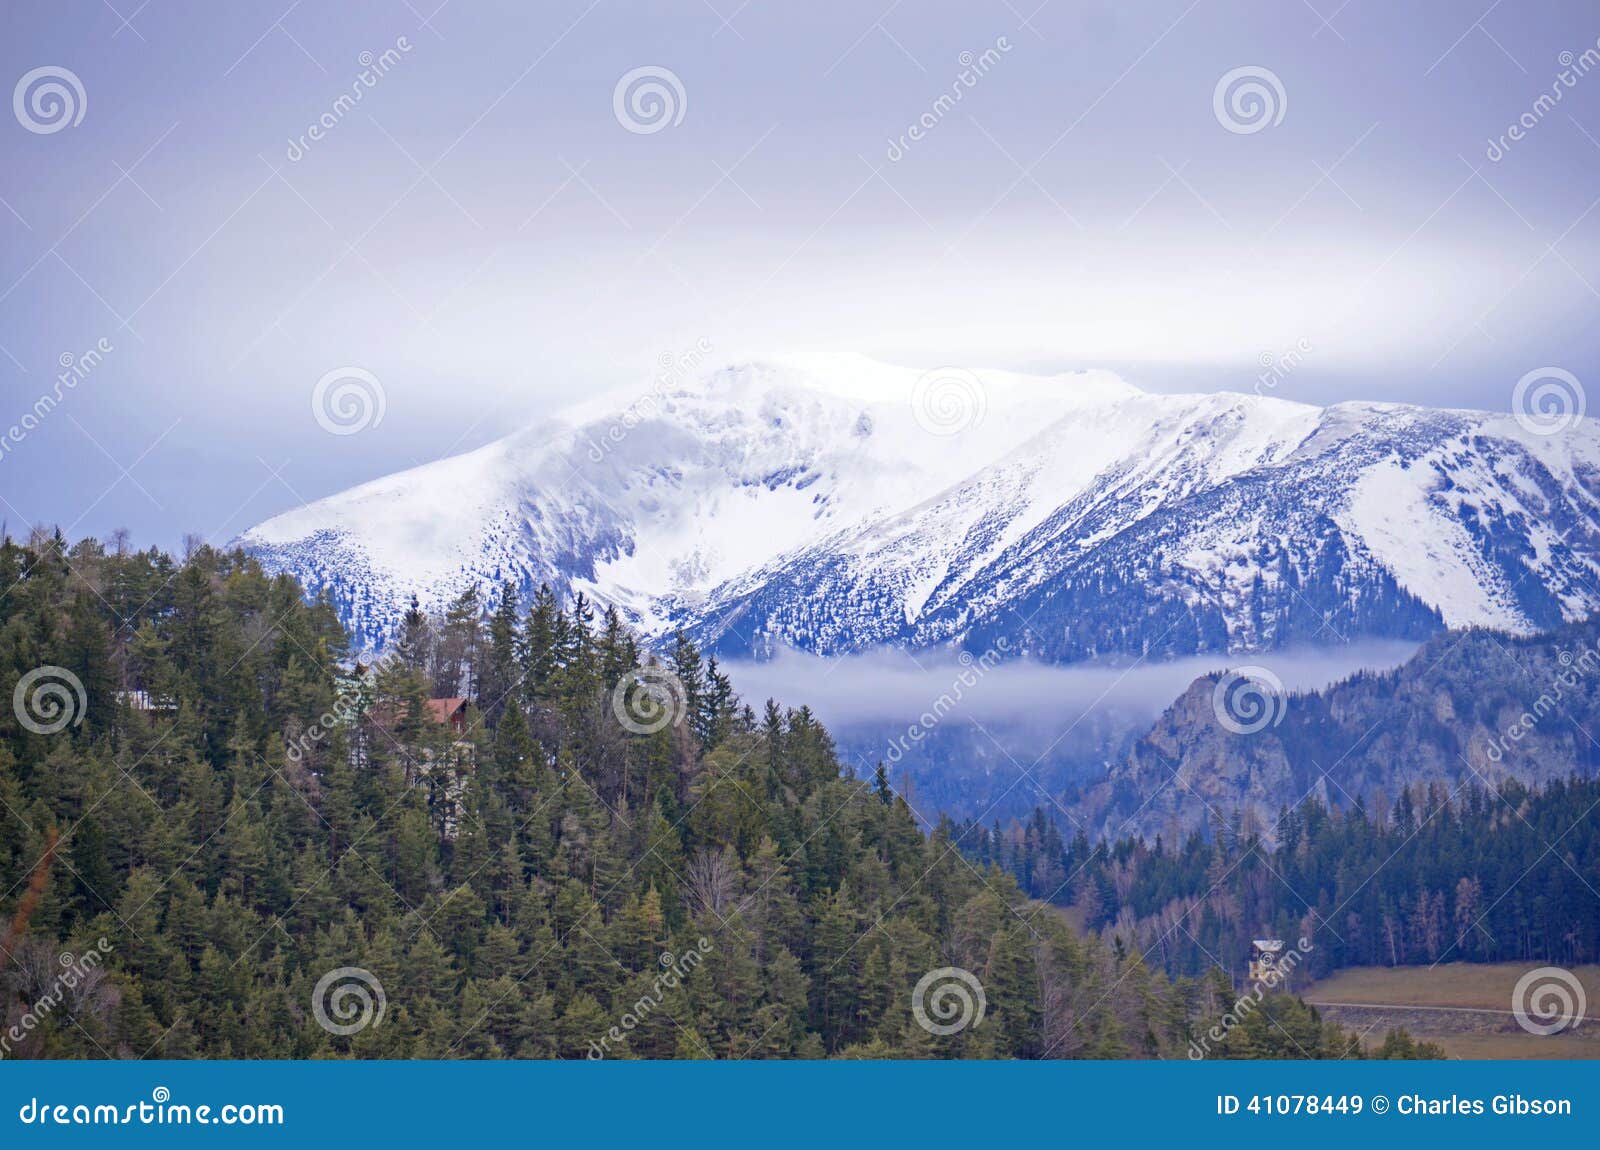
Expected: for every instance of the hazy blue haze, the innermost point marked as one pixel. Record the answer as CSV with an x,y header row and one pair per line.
x,y
1080,206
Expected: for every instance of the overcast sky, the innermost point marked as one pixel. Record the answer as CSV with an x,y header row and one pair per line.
x,y
491,236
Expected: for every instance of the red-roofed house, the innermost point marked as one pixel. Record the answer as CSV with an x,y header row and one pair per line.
x,y
452,711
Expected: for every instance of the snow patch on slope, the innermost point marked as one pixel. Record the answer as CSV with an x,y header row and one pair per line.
x,y
803,499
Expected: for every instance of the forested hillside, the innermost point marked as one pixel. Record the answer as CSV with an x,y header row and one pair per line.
x,y
1469,708
1477,875
498,830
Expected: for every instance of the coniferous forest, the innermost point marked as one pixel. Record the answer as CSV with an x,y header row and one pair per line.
x,y
496,829
1478,875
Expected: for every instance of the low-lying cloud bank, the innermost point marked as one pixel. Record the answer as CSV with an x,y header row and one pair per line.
x,y
893,687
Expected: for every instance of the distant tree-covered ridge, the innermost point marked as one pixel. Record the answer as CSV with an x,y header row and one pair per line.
x,y
514,836
1508,874
1469,709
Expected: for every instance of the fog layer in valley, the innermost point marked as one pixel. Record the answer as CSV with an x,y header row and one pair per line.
x,y
991,739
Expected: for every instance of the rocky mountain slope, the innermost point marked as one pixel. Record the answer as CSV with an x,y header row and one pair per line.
x,y
835,504
1469,707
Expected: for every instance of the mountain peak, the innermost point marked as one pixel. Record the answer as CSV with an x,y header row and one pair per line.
x,y
832,502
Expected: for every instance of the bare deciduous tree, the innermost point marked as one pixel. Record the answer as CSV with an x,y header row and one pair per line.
x,y
712,880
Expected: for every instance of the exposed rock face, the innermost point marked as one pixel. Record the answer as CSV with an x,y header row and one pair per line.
x,y
1474,706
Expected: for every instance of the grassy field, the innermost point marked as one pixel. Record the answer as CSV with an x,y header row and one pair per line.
x,y
1464,1007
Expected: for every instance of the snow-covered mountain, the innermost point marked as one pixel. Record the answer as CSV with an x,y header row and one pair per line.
x,y
835,504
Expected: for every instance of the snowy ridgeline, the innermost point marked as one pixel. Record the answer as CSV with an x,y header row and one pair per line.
x,y
835,505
